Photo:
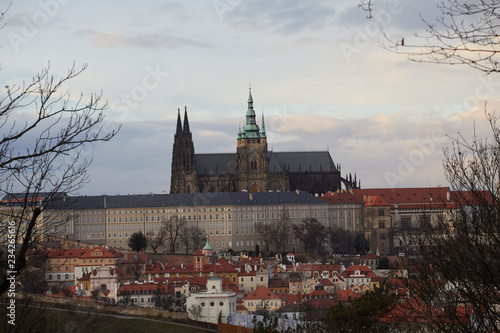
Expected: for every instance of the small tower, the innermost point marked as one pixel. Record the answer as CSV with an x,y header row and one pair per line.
x,y
198,261
207,250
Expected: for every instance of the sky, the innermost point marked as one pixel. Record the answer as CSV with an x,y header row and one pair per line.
x,y
317,68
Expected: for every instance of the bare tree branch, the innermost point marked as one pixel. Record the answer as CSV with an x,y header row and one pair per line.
x,y
44,134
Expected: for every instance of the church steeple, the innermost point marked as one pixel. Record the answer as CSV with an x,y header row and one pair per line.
x,y
263,127
179,125
250,129
186,122
250,112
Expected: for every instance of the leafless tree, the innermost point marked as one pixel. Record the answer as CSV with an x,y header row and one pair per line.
x,y
464,33
265,230
281,231
455,280
157,240
173,229
192,237
45,135
366,5
195,311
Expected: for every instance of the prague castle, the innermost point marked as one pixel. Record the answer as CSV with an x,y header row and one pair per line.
x,y
253,167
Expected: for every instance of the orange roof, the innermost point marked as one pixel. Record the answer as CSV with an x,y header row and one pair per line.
x,y
319,293
291,298
106,253
364,270
405,198
262,293
343,196
325,282
346,295
375,200
66,253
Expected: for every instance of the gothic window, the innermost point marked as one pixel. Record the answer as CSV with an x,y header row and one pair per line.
x,y
253,161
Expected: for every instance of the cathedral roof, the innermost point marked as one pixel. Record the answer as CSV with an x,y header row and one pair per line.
x,y
225,164
212,164
314,161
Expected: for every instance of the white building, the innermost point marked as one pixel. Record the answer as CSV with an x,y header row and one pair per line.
x,y
208,306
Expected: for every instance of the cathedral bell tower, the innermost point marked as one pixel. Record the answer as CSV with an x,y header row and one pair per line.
x,y
183,177
251,153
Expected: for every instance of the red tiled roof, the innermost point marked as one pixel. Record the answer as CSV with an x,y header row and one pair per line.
x,y
346,295
405,198
262,293
319,293
198,253
69,253
321,304
363,270
375,200
106,253
343,196
291,298
325,282
370,256
473,198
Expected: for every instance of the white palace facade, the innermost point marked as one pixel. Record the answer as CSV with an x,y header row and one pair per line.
x,y
228,219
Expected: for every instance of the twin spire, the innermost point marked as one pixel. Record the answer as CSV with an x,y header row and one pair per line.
x,y
180,128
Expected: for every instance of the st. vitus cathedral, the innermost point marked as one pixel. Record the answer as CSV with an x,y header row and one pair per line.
x,y
252,168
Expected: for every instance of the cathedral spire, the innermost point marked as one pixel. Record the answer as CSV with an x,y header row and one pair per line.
x,y
263,126
179,125
250,112
186,122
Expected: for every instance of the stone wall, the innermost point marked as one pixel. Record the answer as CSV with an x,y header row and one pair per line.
x,y
74,303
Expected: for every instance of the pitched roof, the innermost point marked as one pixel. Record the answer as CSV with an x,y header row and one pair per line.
x,y
188,199
346,295
213,164
262,293
410,197
313,161
364,270
375,200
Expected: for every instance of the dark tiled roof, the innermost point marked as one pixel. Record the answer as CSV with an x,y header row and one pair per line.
x,y
226,164
188,199
314,161
213,164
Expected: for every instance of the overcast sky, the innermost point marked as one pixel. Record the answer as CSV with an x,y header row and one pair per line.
x,y
316,68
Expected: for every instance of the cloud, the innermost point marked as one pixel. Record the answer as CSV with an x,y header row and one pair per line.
x,y
145,40
154,40
281,16
107,39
